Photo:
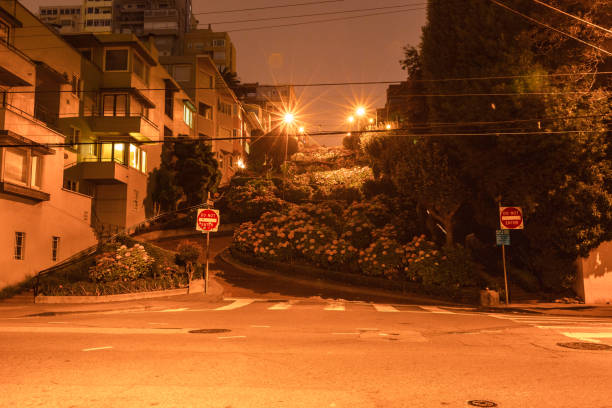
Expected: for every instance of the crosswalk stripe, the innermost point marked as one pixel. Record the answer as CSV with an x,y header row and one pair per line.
x,y
575,327
236,304
280,306
181,309
384,308
592,337
336,306
434,309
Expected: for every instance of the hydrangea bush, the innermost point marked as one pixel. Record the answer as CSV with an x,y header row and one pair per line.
x,y
123,264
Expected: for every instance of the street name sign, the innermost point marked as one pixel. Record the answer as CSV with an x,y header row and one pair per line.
x,y
207,220
510,218
502,237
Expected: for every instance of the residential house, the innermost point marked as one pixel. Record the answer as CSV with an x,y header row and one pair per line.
x,y
42,222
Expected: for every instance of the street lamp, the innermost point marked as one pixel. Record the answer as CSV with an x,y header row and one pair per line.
x,y
360,111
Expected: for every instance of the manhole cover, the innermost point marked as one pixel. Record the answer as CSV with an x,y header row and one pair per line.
x,y
585,346
209,331
481,403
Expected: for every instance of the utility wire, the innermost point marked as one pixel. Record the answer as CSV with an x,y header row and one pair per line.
x,y
387,132
267,7
321,21
551,27
317,14
573,16
348,83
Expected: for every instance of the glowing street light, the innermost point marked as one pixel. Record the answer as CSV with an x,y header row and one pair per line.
x,y
241,164
301,129
388,127
351,119
288,118
360,111
371,120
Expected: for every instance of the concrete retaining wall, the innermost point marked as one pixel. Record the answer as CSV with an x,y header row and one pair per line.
x,y
594,278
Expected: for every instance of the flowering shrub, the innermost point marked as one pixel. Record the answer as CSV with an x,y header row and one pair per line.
x,y
249,202
123,264
382,258
420,258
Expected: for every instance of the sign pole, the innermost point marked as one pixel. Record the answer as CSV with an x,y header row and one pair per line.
x,y
206,269
505,274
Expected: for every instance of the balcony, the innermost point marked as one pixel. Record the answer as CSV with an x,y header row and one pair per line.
x,y
137,126
15,68
103,172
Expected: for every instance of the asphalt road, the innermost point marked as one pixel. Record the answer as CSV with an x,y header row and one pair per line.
x,y
300,352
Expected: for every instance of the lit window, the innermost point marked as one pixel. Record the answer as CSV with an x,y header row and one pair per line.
x,y
116,60
19,245
134,157
36,176
143,162
54,248
118,153
188,116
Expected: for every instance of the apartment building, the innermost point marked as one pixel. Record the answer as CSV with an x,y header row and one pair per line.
x,y
97,16
42,222
67,19
220,115
274,100
217,45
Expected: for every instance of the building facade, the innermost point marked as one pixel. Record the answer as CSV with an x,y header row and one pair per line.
x,y
42,222
67,19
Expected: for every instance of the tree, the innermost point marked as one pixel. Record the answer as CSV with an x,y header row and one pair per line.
x,y
230,78
520,135
269,151
188,171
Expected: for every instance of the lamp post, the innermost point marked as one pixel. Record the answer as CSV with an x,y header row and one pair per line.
x,y
360,112
288,120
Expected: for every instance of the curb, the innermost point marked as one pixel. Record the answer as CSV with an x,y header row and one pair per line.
x,y
215,293
226,256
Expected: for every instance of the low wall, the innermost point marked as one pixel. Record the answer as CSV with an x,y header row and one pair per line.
x,y
465,295
594,278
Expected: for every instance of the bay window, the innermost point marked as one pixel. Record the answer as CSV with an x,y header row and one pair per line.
x,y
22,167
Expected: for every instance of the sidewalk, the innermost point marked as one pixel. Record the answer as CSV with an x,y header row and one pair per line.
x,y
554,309
24,305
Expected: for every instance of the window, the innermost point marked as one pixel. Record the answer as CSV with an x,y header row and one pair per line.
x,y
89,10
4,32
36,175
219,55
16,165
116,60
169,102
143,162
54,248
218,43
205,110
20,245
138,67
115,105
74,138
134,156
112,152
188,116
182,73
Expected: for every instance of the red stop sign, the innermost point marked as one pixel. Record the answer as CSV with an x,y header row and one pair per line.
x,y
511,217
208,220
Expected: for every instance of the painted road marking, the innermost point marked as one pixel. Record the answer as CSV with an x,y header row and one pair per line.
x,y
434,309
280,306
384,308
231,337
238,303
255,325
180,309
335,306
57,322
90,330
341,334
98,348
592,337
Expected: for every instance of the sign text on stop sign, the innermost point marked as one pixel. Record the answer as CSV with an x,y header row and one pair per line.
x,y
511,217
207,220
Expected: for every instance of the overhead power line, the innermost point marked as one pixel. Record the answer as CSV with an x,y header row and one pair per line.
x,y
268,7
322,21
350,83
533,20
327,13
573,16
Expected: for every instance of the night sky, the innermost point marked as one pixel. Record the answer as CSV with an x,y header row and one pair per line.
x,y
361,49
